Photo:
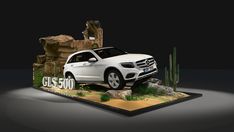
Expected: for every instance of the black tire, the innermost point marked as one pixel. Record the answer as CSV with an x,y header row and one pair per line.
x,y
115,79
70,75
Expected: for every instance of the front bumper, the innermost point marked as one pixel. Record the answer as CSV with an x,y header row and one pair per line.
x,y
135,74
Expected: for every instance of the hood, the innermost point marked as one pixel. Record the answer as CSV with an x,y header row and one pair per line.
x,y
128,58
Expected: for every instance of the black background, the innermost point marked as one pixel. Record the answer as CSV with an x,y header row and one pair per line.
x,y
202,32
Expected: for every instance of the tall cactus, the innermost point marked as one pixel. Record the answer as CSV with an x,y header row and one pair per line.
x,y
173,70
166,77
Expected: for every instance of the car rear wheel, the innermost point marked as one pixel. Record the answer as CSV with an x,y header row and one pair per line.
x,y
115,80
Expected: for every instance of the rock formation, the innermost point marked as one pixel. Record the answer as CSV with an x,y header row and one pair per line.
x,y
58,48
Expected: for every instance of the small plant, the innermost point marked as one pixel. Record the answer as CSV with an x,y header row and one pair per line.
x,y
80,94
87,88
38,75
82,87
130,97
94,46
105,97
77,86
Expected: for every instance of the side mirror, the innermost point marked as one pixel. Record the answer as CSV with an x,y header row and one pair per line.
x,y
92,59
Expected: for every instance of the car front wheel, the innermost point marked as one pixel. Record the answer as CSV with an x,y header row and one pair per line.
x,y
115,80
70,75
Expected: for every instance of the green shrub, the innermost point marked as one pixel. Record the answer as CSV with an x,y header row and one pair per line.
x,y
144,90
87,88
82,87
105,97
80,94
77,86
130,97
38,75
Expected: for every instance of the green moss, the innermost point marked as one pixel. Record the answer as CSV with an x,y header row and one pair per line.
x,y
38,75
104,97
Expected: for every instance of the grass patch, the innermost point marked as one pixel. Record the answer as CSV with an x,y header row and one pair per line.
x,y
104,97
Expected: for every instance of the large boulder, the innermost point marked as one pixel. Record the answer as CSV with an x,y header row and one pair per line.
x,y
154,80
161,88
119,94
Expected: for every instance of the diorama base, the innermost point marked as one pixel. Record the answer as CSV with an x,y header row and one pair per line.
x,y
124,111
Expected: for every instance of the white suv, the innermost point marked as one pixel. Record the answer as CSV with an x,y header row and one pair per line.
x,y
109,65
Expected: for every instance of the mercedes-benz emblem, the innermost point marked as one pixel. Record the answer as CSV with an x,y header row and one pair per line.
x,y
147,62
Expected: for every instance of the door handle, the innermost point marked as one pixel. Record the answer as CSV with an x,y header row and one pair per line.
x,y
71,65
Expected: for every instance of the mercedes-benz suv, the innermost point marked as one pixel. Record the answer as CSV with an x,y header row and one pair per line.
x,y
110,65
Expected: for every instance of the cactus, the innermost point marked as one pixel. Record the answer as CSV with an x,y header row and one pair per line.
x,y
173,70
166,77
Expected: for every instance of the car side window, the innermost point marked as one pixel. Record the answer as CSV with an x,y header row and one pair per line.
x,y
87,56
81,57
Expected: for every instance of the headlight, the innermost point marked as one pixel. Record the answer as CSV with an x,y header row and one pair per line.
x,y
128,65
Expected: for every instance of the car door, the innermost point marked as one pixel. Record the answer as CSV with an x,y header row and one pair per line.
x,y
84,70
92,69
74,65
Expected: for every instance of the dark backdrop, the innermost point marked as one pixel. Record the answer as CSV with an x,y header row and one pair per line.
x,y
200,31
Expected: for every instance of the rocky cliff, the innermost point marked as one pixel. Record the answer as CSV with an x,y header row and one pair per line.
x,y
58,48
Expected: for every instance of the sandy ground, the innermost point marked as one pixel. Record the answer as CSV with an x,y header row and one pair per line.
x,y
120,103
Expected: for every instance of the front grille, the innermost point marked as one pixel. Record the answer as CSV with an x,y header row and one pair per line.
x,y
144,73
145,62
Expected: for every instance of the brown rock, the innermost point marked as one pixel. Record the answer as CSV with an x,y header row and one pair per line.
x,y
51,68
37,65
62,39
64,55
41,59
66,49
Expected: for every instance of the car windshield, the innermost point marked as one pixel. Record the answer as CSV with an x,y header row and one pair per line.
x,y
109,52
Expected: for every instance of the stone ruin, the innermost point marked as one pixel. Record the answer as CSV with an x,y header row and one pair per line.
x,y
58,48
